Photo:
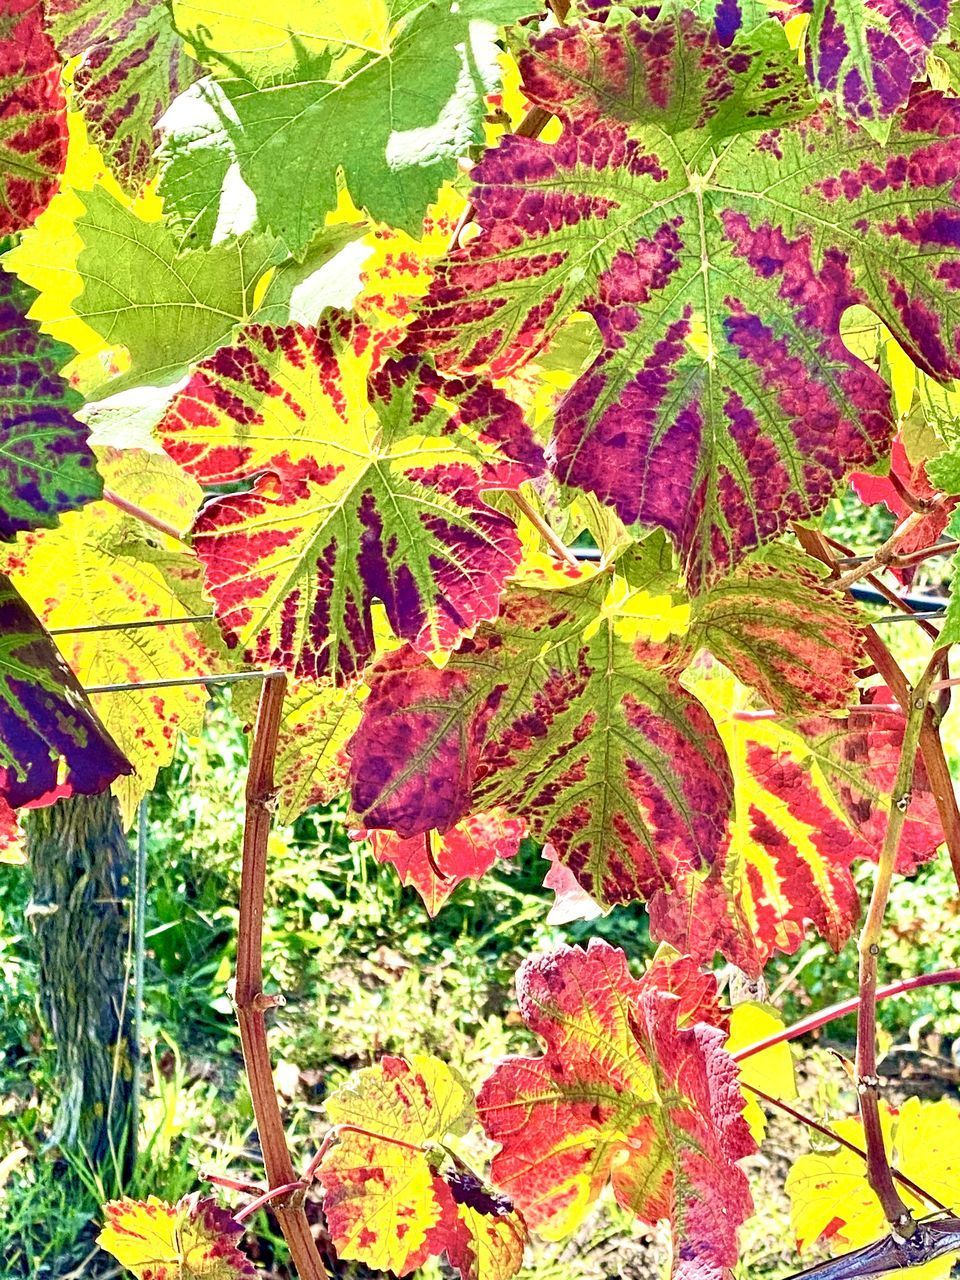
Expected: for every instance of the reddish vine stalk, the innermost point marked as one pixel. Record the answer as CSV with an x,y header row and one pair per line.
x,y
251,1003
840,1010
868,1082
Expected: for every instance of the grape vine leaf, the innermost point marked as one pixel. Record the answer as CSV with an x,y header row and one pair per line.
x,y
367,484
435,864
564,716
51,742
811,798
626,1093
867,54
166,310
717,243
785,631
770,1070
46,464
111,569
192,1240
829,1194
133,65
33,116
413,96
388,1199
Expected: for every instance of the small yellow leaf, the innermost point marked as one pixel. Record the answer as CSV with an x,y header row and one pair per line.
x,y
771,1070
829,1193
192,1240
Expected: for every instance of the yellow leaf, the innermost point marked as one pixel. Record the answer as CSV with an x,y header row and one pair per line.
x,y
101,566
47,254
416,1100
192,1240
829,1192
771,1070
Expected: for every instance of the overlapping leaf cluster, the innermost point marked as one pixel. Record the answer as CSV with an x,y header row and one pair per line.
x,y
351,399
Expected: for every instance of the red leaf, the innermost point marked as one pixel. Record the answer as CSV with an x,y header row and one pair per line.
x,y
625,1092
33,116
435,864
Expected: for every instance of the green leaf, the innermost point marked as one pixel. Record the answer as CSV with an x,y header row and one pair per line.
x,y
166,310
413,100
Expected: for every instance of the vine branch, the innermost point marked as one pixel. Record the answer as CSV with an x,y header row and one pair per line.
x,y
249,998
868,1082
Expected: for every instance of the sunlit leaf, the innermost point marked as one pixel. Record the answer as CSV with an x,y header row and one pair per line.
x,y
717,232
365,482
414,99
392,1196
191,1240
624,1093
133,64
435,864
565,715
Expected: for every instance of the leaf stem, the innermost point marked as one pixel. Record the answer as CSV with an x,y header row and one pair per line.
x,y
261,798
844,1007
886,553
141,513
868,1082
550,537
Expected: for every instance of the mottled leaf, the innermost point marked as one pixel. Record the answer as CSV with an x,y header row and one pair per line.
x,y
830,1197
366,483
165,310
435,864
560,714
866,54
392,1198
622,1094
412,91
51,742
46,465
102,567
33,116
133,64
812,797
717,255
785,631
191,1240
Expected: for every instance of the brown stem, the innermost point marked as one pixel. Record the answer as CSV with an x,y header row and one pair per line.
x,y
550,537
868,1083
885,553
249,996
934,761
141,513
843,1142
907,559
840,1010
